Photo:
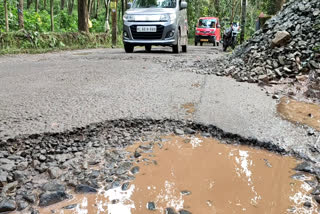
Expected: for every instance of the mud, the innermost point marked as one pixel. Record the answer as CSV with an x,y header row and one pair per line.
x,y
300,112
189,107
201,175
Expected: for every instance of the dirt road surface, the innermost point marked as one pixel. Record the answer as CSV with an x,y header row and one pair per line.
x,y
58,91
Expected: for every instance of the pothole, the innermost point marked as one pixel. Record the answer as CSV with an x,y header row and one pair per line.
x,y
300,112
194,174
54,172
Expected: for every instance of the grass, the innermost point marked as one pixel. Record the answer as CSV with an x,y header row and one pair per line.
x,y
34,42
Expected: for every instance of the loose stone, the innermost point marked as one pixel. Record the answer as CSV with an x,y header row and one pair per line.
x,y
151,206
49,198
169,210
85,189
7,205
69,207
125,186
135,170
184,212
53,186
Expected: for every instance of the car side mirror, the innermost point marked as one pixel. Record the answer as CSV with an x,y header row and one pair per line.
x,y
183,5
218,26
129,5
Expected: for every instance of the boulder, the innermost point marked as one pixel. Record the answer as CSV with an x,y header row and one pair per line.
x,y
281,38
49,198
7,205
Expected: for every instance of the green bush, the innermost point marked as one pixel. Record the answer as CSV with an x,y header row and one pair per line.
x,y
33,42
41,22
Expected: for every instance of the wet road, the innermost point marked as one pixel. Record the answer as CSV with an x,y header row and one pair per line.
x,y
58,91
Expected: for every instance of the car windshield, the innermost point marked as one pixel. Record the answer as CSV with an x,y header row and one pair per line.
x,y
207,23
154,3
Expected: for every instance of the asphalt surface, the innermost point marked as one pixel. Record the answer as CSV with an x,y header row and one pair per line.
x,y
58,91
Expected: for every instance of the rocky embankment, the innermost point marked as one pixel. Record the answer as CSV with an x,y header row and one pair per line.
x,y
286,50
40,170
287,47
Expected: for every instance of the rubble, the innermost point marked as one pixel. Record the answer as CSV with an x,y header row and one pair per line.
x,y
287,47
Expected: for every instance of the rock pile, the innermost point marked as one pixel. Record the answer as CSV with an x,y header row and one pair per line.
x,y
288,46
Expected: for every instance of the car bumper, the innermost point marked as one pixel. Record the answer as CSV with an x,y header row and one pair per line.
x,y
161,37
210,39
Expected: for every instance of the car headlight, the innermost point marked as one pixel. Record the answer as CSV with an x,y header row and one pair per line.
x,y
172,16
164,18
198,31
128,18
168,17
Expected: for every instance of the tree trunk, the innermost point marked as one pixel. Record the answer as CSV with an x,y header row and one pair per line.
x,y
97,9
37,6
6,15
90,3
107,25
217,6
123,8
20,14
70,7
62,4
29,2
234,5
83,16
51,15
44,4
114,23
92,9
243,20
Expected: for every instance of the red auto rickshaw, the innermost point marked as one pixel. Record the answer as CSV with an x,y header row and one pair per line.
x,y
208,30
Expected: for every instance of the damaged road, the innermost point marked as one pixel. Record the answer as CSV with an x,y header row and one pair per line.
x,y
59,91
67,118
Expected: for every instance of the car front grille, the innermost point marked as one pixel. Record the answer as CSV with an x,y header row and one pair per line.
x,y
147,36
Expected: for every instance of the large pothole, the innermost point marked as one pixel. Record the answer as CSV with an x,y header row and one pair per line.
x,y
195,173
200,175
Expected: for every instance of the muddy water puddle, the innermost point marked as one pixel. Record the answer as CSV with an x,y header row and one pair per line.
x,y
300,112
200,176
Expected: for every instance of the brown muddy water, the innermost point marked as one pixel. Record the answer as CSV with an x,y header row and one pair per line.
x,y
202,176
300,112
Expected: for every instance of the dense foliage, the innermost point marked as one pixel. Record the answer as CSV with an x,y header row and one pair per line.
x,y
230,10
40,21
226,10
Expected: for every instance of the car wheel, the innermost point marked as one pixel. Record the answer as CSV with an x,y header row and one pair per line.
x,y
224,47
176,48
128,48
201,43
218,43
214,43
196,43
148,48
184,48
